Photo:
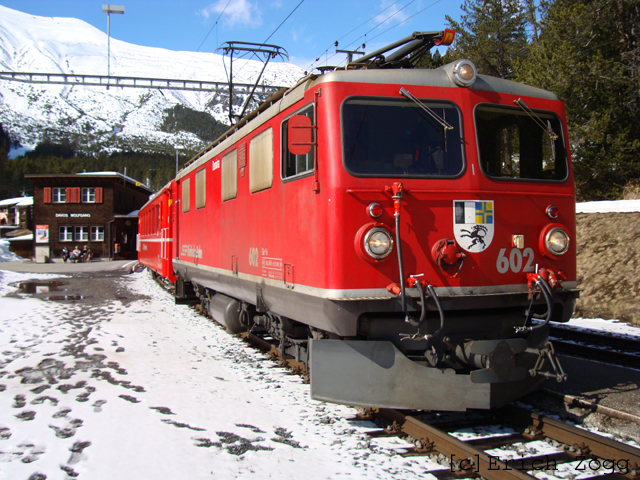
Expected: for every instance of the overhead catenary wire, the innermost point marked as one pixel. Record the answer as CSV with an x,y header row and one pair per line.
x,y
206,36
357,40
282,23
272,33
407,19
372,29
353,30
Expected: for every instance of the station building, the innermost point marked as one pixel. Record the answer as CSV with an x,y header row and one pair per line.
x,y
96,209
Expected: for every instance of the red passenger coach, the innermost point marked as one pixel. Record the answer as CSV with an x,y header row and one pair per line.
x,y
155,237
405,233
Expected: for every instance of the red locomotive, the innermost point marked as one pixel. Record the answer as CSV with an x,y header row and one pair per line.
x,y
405,233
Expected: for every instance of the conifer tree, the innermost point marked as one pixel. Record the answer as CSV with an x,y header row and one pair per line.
x,y
588,54
492,34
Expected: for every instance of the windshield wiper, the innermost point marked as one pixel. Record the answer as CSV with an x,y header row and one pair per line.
x,y
519,102
433,114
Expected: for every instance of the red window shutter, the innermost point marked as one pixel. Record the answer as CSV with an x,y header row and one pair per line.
x,y
70,194
47,195
99,195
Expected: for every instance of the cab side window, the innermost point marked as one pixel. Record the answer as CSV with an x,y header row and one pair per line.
x,y
294,165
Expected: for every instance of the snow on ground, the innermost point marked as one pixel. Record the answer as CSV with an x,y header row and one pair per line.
x,y
614,327
5,254
148,389
609,206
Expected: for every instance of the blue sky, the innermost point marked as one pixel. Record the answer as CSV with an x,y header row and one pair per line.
x,y
310,31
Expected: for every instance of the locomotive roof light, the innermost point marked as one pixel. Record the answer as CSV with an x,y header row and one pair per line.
x,y
554,241
464,73
378,243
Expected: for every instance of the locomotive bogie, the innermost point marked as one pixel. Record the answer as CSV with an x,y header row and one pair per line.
x,y
410,245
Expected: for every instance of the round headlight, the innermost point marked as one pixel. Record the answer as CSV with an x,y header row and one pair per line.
x,y
464,73
378,243
557,241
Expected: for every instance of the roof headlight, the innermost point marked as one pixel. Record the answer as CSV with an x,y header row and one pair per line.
x,y
557,241
464,73
378,243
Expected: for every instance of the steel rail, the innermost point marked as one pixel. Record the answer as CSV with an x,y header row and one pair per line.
x,y
598,354
473,460
618,350
597,445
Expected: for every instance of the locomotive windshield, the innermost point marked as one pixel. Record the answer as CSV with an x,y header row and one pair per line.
x,y
514,144
397,138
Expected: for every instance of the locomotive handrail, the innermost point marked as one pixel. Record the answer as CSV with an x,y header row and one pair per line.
x,y
435,191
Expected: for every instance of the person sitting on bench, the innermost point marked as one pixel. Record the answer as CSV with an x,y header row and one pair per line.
x,y
86,254
75,254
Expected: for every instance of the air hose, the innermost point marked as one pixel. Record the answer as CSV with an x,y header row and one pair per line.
x,y
403,299
423,313
547,293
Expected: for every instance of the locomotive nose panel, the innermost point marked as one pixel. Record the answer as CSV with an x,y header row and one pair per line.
x,y
379,375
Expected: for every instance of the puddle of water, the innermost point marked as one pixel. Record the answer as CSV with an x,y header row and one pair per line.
x,y
60,298
40,287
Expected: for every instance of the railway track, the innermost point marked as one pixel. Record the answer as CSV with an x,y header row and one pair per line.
x,y
528,444
616,350
521,445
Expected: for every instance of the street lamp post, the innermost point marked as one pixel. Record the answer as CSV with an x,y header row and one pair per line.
x,y
109,9
177,147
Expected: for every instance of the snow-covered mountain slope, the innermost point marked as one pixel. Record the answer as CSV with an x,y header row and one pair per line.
x,y
91,115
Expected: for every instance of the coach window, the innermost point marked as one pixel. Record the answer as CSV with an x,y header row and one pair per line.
x,y
516,145
397,138
294,165
229,176
201,188
186,193
261,161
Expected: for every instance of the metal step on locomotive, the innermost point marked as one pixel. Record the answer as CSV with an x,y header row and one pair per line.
x,y
405,233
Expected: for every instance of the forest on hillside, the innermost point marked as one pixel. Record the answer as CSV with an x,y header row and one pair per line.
x,y
146,164
584,51
154,169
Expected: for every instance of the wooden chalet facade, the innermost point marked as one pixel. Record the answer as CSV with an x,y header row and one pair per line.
x,y
97,209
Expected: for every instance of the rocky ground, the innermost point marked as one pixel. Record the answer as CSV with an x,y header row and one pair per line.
x,y
608,249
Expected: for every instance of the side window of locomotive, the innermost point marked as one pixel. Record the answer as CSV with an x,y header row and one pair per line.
x,y
515,145
201,188
229,176
186,194
261,161
293,165
397,138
